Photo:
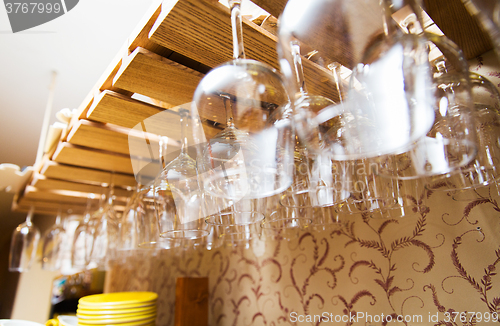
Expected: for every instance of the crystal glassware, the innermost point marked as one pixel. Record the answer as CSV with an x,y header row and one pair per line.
x,y
52,245
23,245
250,158
389,104
105,229
178,198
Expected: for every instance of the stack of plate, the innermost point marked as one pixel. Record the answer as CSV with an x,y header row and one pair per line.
x,y
119,308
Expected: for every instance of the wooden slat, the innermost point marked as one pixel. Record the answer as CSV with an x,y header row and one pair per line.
x,y
103,83
201,30
206,37
55,170
120,110
154,76
45,200
140,36
61,197
85,157
127,112
117,109
456,23
98,136
47,207
108,137
43,183
450,15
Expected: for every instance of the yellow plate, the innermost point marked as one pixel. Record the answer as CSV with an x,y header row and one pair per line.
x,y
124,323
83,313
118,299
117,307
84,317
117,320
152,323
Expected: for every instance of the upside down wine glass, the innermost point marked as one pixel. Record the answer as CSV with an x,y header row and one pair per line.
x,y
250,158
177,195
52,250
389,102
23,245
105,228
317,179
83,239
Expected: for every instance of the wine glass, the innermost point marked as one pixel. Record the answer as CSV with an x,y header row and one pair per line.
x,y
83,238
178,199
105,229
236,228
451,143
53,241
389,102
23,245
139,227
470,181
312,169
284,225
250,158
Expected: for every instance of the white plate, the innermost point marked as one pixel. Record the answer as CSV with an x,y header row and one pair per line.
x,y
18,322
67,320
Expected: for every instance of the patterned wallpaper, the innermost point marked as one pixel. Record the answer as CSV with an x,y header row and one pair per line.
x,y
437,265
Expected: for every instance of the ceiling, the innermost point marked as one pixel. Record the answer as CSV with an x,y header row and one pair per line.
x,y
78,45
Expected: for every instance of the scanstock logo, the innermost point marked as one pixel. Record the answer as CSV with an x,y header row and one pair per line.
x,y
24,15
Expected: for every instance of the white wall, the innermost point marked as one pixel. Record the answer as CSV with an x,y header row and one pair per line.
x,y
33,295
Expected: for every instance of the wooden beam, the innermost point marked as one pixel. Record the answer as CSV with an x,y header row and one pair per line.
x,y
56,170
120,110
61,197
99,136
456,23
149,74
140,36
104,82
45,201
43,183
124,111
85,157
111,138
201,30
24,204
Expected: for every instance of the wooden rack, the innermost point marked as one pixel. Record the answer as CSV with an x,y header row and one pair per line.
x,y
176,44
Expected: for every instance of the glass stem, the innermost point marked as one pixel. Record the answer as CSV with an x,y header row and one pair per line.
x,y
88,208
299,70
229,111
390,7
335,68
102,200
237,29
58,218
30,216
111,189
184,126
163,151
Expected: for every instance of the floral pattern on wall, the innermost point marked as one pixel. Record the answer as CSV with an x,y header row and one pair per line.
x,y
438,261
437,265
